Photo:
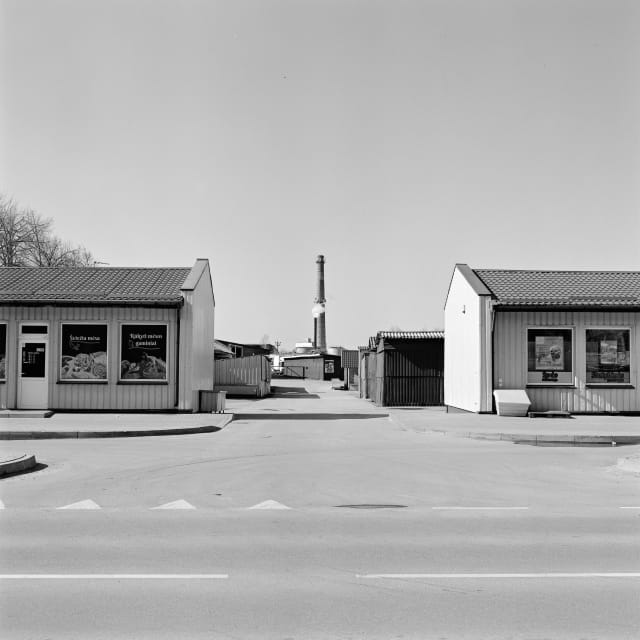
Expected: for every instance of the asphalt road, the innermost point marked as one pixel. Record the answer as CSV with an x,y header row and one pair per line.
x,y
493,540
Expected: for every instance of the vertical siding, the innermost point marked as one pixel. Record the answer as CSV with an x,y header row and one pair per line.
x,y
510,360
412,373
196,342
92,396
249,371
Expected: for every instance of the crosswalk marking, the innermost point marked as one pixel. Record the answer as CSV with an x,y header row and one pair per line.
x,y
269,504
83,504
176,504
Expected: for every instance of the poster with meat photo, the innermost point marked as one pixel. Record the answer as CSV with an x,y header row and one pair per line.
x,y
143,352
549,353
83,352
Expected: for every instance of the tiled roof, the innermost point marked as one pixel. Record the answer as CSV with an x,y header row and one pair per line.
x,y
90,285
411,335
563,288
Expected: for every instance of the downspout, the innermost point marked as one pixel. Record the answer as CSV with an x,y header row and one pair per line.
x,y
177,392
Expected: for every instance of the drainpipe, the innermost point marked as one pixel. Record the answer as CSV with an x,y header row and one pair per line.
x,y
177,393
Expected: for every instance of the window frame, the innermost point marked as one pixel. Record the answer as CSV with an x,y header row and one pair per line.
x,y
551,383
610,385
167,361
90,381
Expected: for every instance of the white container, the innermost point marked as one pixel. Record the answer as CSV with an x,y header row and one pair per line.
x,y
512,402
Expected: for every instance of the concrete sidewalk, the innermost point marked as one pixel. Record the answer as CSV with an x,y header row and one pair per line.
x,y
111,425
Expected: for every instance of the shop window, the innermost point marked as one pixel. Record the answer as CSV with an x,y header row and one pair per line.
x,y
550,356
83,352
608,356
143,352
3,351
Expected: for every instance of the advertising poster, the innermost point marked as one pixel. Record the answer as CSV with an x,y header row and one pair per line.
x,y
3,351
608,352
549,353
328,366
83,352
143,352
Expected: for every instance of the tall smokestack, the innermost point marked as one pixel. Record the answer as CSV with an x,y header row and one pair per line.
x,y
320,330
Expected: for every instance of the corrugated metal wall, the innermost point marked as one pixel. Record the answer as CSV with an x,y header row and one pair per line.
x,y
249,371
372,365
314,367
510,360
91,396
410,373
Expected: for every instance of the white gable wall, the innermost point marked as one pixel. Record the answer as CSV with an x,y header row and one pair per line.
x,y
196,337
467,347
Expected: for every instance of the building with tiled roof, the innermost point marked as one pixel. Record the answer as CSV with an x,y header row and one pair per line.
x,y
566,338
106,338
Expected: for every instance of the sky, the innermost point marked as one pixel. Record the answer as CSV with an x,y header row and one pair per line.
x,y
397,138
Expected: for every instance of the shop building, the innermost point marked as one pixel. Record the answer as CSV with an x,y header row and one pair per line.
x,y
106,338
569,339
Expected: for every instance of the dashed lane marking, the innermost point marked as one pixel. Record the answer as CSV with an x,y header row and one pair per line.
x,y
114,576
628,507
83,504
484,576
1,504
479,508
177,504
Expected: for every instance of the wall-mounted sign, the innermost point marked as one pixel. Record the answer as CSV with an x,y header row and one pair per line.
x,y
83,352
143,352
328,366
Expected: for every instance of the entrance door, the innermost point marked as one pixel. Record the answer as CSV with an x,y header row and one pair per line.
x,y
33,387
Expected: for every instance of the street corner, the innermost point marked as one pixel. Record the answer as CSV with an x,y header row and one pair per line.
x,y
17,464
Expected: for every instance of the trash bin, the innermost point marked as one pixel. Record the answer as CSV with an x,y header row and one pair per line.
x,y
220,401
212,401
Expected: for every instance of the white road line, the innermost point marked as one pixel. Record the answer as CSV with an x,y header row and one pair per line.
x,y
445,576
1,504
177,504
479,508
269,504
114,576
83,504
628,507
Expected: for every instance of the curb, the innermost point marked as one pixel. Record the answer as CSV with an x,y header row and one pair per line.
x,y
123,433
529,438
15,465
308,416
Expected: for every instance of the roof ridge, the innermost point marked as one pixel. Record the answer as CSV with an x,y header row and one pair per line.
x,y
558,270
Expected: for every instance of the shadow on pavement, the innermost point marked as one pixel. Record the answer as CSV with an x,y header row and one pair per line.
x,y
293,392
308,416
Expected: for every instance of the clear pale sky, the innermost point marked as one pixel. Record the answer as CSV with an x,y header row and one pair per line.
x,y
395,137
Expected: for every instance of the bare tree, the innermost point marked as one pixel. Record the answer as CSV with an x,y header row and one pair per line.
x,y
27,240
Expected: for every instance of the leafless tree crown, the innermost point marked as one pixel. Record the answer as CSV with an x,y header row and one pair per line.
x,y
27,240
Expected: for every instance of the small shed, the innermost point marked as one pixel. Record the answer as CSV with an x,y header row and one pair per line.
x,y
318,366
405,368
569,339
106,338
